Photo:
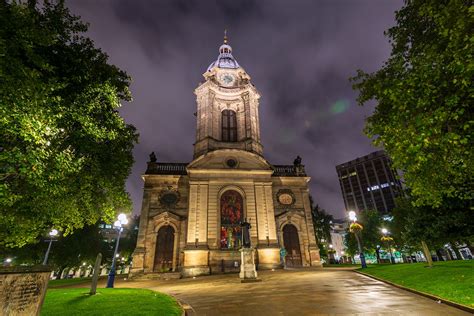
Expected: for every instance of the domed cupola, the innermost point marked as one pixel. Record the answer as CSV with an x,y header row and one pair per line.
x,y
225,58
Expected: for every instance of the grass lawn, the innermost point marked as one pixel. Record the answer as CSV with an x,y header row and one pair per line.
x,y
108,302
340,265
451,280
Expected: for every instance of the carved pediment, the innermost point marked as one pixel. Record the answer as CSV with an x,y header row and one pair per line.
x,y
166,217
217,160
290,213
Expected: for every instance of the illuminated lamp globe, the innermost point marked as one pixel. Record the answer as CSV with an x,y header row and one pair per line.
x,y
384,231
352,216
53,232
123,218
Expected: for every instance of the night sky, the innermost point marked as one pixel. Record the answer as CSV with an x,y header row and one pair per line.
x,y
299,55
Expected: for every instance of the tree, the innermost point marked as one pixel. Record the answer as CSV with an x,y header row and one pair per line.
x,y
67,252
449,223
371,222
65,152
424,95
322,223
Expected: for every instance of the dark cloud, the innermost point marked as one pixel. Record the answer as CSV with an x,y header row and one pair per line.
x,y
299,54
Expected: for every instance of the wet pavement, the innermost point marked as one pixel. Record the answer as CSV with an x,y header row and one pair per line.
x,y
296,292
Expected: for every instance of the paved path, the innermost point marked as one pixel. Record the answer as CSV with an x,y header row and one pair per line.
x,y
298,292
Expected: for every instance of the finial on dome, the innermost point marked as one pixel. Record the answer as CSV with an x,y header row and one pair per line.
x,y
225,36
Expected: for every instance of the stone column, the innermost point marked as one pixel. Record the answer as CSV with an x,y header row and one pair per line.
x,y
196,253
268,249
138,259
315,259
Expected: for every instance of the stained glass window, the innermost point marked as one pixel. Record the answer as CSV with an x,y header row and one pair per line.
x,y
232,212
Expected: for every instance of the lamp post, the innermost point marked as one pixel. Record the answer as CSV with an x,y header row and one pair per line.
x,y
122,220
53,233
388,240
356,228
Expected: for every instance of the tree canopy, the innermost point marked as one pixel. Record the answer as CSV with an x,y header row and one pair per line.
x,y
65,152
372,222
449,223
424,95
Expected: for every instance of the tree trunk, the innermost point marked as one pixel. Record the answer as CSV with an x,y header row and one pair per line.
x,y
439,255
377,253
60,272
449,256
427,253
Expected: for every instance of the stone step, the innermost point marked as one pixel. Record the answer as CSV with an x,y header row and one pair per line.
x,y
158,276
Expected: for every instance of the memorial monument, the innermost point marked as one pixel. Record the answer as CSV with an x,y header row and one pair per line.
x,y
248,272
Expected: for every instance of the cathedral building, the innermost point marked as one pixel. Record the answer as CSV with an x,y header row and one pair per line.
x,y
192,212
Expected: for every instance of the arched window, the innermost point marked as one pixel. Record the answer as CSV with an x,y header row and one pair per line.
x,y
229,126
232,212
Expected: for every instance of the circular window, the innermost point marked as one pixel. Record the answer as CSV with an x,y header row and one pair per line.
x,y
231,163
169,199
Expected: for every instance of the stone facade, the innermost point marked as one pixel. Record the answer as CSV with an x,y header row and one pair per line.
x,y
184,225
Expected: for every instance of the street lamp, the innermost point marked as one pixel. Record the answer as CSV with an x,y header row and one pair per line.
x,y
388,240
53,233
122,220
356,228
7,262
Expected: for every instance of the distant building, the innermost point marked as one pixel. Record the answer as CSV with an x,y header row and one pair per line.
x,y
338,232
369,182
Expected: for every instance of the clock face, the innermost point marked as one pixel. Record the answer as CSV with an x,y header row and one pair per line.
x,y
285,199
227,79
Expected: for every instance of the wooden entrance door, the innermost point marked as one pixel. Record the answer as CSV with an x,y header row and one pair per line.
x,y
164,249
292,246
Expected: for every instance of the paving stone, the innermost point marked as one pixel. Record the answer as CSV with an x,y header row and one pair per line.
x,y
297,292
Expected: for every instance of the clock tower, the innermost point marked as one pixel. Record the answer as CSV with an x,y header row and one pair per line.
x,y
227,107
192,212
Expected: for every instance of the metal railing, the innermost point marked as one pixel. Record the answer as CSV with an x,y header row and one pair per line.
x,y
288,170
166,168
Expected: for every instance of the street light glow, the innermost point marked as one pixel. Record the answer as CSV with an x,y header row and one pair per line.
x,y
53,232
118,224
123,219
384,231
8,260
352,216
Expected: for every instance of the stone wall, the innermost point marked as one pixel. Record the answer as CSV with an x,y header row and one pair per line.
x,y
22,290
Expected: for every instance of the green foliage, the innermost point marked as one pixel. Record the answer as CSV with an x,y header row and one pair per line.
x,y
452,280
372,222
322,222
450,222
65,152
71,251
109,302
424,96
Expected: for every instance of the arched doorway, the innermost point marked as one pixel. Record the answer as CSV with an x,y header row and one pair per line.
x,y
292,246
164,249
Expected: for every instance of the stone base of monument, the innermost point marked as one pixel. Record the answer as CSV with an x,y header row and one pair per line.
x,y
248,273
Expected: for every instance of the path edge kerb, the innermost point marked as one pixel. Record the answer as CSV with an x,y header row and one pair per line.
x,y
187,309
430,296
